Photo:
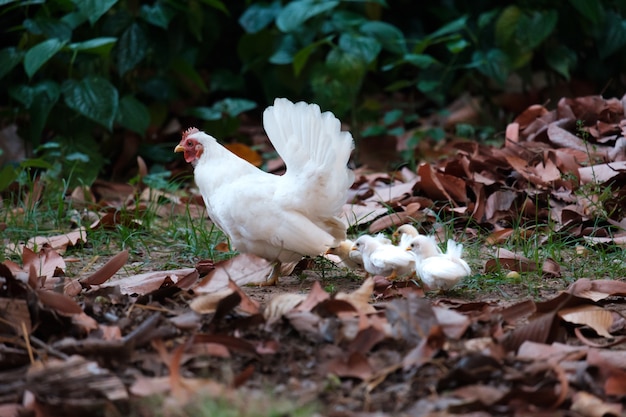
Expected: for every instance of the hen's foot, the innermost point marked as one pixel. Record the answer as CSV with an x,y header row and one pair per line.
x,y
272,278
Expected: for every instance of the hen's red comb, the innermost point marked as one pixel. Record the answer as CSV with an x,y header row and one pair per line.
x,y
189,131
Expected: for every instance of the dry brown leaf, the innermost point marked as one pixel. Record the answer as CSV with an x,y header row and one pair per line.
x,y
509,260
242,269
60,303
597,290
280,305
360,298
107,271
150,281
207,303
247,304
588,405
598,318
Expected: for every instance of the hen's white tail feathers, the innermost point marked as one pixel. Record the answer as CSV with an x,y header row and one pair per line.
x,y
313,146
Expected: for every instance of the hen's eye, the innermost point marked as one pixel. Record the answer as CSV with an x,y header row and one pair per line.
x,y
189,143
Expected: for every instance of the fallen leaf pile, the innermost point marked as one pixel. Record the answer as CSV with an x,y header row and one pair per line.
x,y
550,169
99,342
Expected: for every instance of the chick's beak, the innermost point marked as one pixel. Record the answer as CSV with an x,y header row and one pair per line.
x,y
353,248
179,148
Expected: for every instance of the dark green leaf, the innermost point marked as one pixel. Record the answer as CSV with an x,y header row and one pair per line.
x,y
364,47
561,59
94,9
130,49
9,59
390,37
217,4
452,27
74,19
205,113
589,9
301,57
614,35
234,106
23,94
258,16
45,96
457,45
295,13
392,116
50,28
494,64
486,18
506,25
101,46
158,14
420,60
40,54
8,174
534,28
133,115
287,48
94,98
187,71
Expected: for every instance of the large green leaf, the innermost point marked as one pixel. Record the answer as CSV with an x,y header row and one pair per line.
x,y
131,48
390,37
295,13
39,100
183,68
49,28
217,4
40,54
9,58
494,64
101,46
452,27
364,47
561,59
287,49
506,25
533,28
258,16
302,56
94,98
614,35
589,9
133,115
94,9
229,106
45,96
158,14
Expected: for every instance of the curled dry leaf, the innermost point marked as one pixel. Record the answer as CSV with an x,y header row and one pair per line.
x,y
360,298
61,303
596,317
107,271
588,405
207,303
597,290
509,260
281,305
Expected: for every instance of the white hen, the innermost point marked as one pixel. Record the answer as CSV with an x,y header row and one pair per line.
x,y
279,218
438,271
383,258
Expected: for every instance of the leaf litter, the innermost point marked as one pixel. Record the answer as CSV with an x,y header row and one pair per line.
x,y
96,343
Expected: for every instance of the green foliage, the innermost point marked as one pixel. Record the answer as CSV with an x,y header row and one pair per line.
x,y
84,68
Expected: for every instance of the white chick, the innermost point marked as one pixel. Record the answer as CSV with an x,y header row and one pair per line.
x,y
352,258
380,258
438,271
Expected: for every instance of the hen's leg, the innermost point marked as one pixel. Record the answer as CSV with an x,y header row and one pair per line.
x,y
272,278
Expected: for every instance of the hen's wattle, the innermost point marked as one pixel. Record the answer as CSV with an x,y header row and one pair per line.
x,y
278,217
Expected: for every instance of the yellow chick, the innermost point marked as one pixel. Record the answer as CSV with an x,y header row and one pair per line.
x,y
349,258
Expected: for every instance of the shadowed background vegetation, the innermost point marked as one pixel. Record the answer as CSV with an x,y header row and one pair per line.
x,y
92,83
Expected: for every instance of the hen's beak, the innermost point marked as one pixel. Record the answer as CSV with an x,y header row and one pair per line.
x,y
179,148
